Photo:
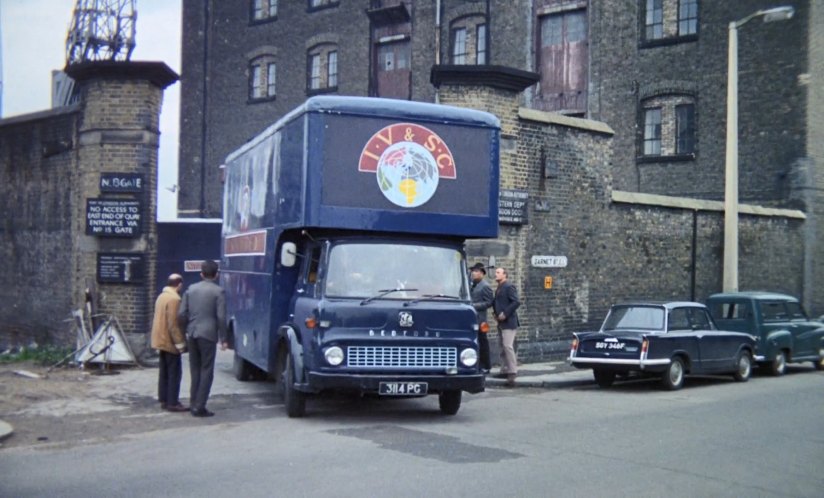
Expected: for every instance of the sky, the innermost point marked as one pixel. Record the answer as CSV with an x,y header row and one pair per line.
x,y
33,40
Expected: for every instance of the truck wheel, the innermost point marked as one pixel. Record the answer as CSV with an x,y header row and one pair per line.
x,y
450,402
604,378
673,378
779,364
242,369
294,400
743,367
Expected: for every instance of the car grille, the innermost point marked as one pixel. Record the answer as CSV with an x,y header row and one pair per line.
x,y
401,357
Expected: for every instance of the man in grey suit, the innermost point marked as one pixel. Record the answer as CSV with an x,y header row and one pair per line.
x,y
505,305
202,315
481,294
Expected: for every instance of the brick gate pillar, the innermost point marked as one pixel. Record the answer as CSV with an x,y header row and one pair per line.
x,y
114,190
497,90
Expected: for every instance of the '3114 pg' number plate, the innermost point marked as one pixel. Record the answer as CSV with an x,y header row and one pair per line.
x,y
402,388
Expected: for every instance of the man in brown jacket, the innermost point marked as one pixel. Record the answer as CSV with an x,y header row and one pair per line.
x,y
170,342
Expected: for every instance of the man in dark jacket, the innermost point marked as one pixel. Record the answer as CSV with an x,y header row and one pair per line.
x,y
482,297
505,305
203,316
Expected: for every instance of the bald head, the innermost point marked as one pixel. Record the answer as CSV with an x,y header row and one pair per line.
x,y
174,280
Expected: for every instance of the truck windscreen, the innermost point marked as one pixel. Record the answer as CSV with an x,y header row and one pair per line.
x,y
363,270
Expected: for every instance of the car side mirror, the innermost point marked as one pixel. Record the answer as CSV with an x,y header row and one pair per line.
x,y
288,254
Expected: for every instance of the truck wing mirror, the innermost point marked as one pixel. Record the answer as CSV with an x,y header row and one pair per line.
x,y
288,254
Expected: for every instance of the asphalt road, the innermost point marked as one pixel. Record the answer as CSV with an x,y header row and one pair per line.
x,y
715,438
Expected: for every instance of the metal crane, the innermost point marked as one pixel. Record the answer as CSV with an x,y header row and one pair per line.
x,y
101,30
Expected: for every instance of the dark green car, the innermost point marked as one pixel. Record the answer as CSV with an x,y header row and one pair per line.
x,y
778,321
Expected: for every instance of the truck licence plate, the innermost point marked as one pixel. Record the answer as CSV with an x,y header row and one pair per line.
x,y
402,388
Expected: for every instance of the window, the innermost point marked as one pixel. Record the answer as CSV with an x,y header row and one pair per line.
x,y
322,68
654,20
262,78
468,40
652,132
665,22
563,62
685,129
687,17
263,10
459,46
322,4
480,43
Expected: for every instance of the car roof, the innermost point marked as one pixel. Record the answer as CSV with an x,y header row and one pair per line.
x,y
760,295
666,304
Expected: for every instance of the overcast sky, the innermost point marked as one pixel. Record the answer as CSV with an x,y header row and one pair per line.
x,y
34,43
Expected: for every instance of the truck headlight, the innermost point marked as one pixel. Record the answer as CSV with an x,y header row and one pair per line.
x,y
334,356
469,357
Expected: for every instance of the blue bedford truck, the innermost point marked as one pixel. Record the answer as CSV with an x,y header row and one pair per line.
x,y
343,248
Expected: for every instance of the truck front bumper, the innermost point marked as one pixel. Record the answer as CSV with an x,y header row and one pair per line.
x,y
369,383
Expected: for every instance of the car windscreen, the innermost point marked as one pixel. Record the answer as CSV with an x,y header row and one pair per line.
x,y
634,317
394,271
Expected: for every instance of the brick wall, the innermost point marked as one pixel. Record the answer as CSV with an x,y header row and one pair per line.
x,y
52,163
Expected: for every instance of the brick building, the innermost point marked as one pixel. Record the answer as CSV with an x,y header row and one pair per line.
x,y
618,103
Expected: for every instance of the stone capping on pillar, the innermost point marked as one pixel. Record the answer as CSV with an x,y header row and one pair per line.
x,y
157,73
500,77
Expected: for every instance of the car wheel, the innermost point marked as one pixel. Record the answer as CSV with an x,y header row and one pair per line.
x,y
241,368
449,402
604,378
743,367
779,364
294,400
674,376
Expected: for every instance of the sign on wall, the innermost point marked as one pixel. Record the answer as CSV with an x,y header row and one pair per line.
x,y
120,268
114,217
121,182
549,261
512,207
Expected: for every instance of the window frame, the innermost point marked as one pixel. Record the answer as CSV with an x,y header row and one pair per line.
x,y
326,55
671,33
690,130
265,5
458,59
316,5
650,23
689,20
480,44
259,67
657,132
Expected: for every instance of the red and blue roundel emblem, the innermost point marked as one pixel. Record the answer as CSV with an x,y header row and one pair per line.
x,y
409,161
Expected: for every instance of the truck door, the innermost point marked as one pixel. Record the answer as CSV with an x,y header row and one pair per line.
x,y
305,293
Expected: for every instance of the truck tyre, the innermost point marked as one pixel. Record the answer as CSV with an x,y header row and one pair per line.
x,y
673,378
294,400
779,364
743,367
449,402
242,369
603,378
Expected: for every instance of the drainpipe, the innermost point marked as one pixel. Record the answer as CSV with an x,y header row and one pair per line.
x,y
437,44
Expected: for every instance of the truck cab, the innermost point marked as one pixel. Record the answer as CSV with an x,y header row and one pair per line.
x,y
343,248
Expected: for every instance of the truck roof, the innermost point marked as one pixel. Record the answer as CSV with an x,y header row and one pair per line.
x,y
758,295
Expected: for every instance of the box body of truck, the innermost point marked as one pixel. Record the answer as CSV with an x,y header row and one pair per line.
x,y
342,257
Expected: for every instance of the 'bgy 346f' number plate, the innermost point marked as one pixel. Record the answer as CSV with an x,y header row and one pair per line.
x,y
402,388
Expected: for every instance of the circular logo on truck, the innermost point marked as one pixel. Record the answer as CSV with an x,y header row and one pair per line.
x,y
409,161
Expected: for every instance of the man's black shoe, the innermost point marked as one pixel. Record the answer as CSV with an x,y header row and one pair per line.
x,y
202,413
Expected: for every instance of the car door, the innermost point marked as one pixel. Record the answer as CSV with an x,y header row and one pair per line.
x,y
681,338
718,348
805,342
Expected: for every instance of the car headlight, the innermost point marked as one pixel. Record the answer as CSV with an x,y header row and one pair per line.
x,y
333,355
469,357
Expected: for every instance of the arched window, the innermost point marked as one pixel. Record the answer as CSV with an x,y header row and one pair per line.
x,y
262,78
322,68
669,126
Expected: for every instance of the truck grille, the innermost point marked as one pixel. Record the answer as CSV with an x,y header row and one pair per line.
x,y
401,357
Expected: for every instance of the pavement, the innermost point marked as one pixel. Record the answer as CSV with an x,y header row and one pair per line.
x,y
107,390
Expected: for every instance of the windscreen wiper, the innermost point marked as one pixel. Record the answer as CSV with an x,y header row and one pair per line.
x,y
384,292
432,297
